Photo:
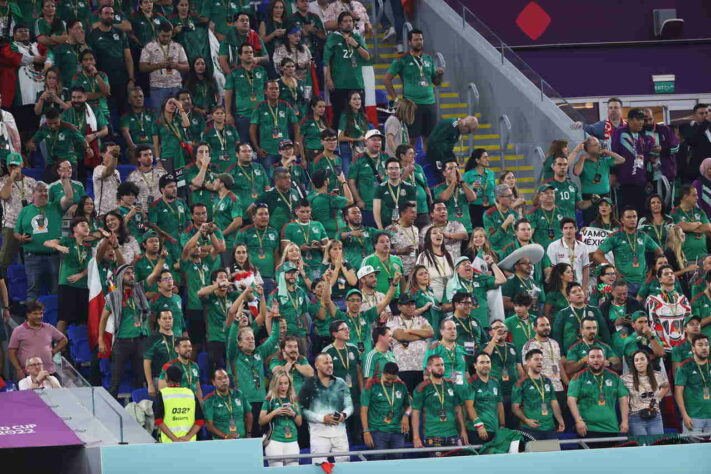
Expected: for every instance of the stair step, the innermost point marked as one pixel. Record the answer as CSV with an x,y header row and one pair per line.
x,y
497,169
399,86
486,147
456,105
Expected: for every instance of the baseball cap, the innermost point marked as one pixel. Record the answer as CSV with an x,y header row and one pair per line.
x,y
544,187
354,292
165,180
366,270
373,133
226,178
606,199
148,235
637,315
14,158
285,143
460,260
688,319
405,298
288,267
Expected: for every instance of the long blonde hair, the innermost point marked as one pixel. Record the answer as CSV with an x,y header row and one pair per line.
x,y
486,248
285,253
675,241
406,111
273,392
327,250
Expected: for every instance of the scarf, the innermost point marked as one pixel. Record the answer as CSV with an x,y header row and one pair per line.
x,y
609,129
114,300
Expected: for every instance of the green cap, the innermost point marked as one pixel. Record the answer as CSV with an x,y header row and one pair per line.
x,y
544,187
14,159
688,319
288,267
148,234
638,314
606,199
461,259
354,292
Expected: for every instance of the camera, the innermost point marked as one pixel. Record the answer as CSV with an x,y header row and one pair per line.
x,y
336,415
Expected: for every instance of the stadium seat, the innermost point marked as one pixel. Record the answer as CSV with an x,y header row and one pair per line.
x,y
50,308
203,364
89,187
79,343
207,389
35,173
140,394
17,282
125,170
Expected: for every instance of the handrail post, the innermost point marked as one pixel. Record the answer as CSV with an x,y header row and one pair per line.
x,y
439,58
504,136
472,98
538,151
406,29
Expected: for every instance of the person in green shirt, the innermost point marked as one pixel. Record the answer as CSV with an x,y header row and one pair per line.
x,y
262,243
594,166
520,324
250,178
643,338
287,159
312,126
470,334
281,410
374,361
226,209
366,172
344,56
222,139
628,246
523,282
391,194
444,137
483,181
534,402
145,24
387,266
545,218
291,302
383,414
159,349
95,84
567,193
227,412
692,387
483,402
327,208
577,355
592,398
456,193
56,189
49,30
70,12
239,35
692,327
505,360
357,239
66,55
270,124
652,286
281,200
694,222
201,185
222,14
244,89
138,124
499,219
309,235
189,369
328,160
291,362
437,403
149,264
453,354
134,216
168,215
346,357
173,130
567,322
476,284
701,305
63,140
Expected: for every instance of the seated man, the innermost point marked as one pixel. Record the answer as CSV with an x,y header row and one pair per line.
x,y
37,376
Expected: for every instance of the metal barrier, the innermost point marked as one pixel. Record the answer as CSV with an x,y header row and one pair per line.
x,y
538,151
472,106
406,28
361,454
378,9
504,136
438,62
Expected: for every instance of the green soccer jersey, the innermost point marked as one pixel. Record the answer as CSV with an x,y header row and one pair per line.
x,y
311,133
653,287
328,210
356,248
566,325
417,74
295,375
141,126
344,61
136,224
360,328
516,285
629,252
535,397
144,266
681,352
91,86
367,172
521,330
222,146
487,184
63,143
438,402
391,198
293,307
56,191
222,13
66,57
333,166
442,140
200,195
74,262
171,217
196,127
658,233
545,225
477,288
159,348
216,308
455,365
498,236
432,315
294,96
173,137
109,47
298,176
386,405
272,121
230,47
470,335
580,349
43,28
419,181
42,224
174,304
701,306
261,244
386,270
504,366
282,206
250,181
284,429
374,362
457,205
190,373
567,194
306,234
248,89
131,325
224,210
145,28
345,365
695,244
79,10
696,380
597,396
250,367
595,178
486,397
78,119
227,412
197,275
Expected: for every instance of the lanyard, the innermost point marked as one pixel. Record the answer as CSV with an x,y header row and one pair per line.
x,y
391,398
355,321
630,241
701,372
261,239
274,112
228,403
440,397
307,232
168,348
600,383
285,199
345,361
419,62
526,327
249,174
541,391
187,373
396,194
220,137
575,313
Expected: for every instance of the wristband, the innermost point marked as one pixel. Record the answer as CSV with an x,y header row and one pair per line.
x,y
366,431
478,423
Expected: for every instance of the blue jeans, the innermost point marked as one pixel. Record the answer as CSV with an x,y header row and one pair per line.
x,y
346,156
39,269
383,440
640,427
269,160
701,425
160,94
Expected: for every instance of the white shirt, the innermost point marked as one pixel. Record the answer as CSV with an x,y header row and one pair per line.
x,y
147,185
105,190
49,382
559,252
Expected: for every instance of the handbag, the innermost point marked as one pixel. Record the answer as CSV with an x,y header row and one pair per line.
x,y
649,413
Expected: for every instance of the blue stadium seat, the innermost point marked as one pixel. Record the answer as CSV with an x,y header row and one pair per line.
x,y
140,394
36,159
50,308
9,386
89,187
17,282
125,170
79,343
105,369
207,389
35,173
203,364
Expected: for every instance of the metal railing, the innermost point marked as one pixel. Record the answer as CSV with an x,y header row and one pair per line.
x,y
504,137
406,29
377,11
540,158
361,454
439,62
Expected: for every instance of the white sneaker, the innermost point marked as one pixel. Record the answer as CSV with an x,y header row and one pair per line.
x,y
389,34
399,48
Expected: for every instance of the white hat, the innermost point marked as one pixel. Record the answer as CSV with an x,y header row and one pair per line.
x,y
366,270
373,133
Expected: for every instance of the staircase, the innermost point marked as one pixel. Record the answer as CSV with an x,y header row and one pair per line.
x,y
453,105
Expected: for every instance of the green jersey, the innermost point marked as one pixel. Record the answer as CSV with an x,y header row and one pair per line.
x,y
470,335
345,365
159,349
521,330
199,195
174,304
595,178
282,206
367,172
695,243
225,210
477,288
74,262
535,397
299,179
566,325
230,46
222,13
173,137
145,28
295,375
190,373
486,397
170,217
250,367
360,327
311,133
91,86
653,287
386,270
493,223
294,95
306,234
701,306
457,205
545,225
261,246
418,74
66,57
63,143
333,166
455,365
42,224
216,308
141,126
56,191
136,224
567,194
250,181
487,184
273,123
79,10
328,210
222,146
658,233
144,266
374,362
355,249
516,285
197,275
504,366
293,307
442,140
284,429
386,405
597,396
629,252
344,61
419,181
248,89
696,380
438,401
682,352
580,350
391,198
109,47
227,412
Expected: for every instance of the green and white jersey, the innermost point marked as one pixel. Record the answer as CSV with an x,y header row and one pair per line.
x,y
535,397
227,413
386,404
486,396
696,380
438,402
597,397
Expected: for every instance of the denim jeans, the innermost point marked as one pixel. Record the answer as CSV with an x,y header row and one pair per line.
x,y
269,160
383,440
640,427
160,94
41,268
701,425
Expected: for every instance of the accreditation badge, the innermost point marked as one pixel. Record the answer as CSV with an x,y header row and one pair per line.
x,y
505,375
707,393
442,415
601,399
233,426
287,432
544,409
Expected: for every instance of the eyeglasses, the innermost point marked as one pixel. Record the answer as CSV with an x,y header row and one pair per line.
x,y
466,303
607,274
351,300
36,364
343,329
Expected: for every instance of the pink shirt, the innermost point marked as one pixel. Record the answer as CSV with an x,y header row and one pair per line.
x,y
30,342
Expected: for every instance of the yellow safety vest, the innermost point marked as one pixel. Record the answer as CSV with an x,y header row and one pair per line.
x,y
179,411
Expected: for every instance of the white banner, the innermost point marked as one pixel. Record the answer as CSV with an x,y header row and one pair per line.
x,y
592,237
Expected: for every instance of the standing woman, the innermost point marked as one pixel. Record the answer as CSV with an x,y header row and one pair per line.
x,y
281,410
222,139
656,222
437,260
294,49
352,125
49,30
128,245
413,174
54,94
519,203
85,208
557,148
557,289
291,88
605,218
480,178
342,275
396,131
271,30
173,125
311,127
647,388
426,302
202,87
683,268
192,34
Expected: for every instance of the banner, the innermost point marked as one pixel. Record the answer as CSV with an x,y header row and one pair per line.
x,y
592,237
26,421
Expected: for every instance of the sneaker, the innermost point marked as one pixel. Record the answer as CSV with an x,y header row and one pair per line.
x,y
399,48
389,34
